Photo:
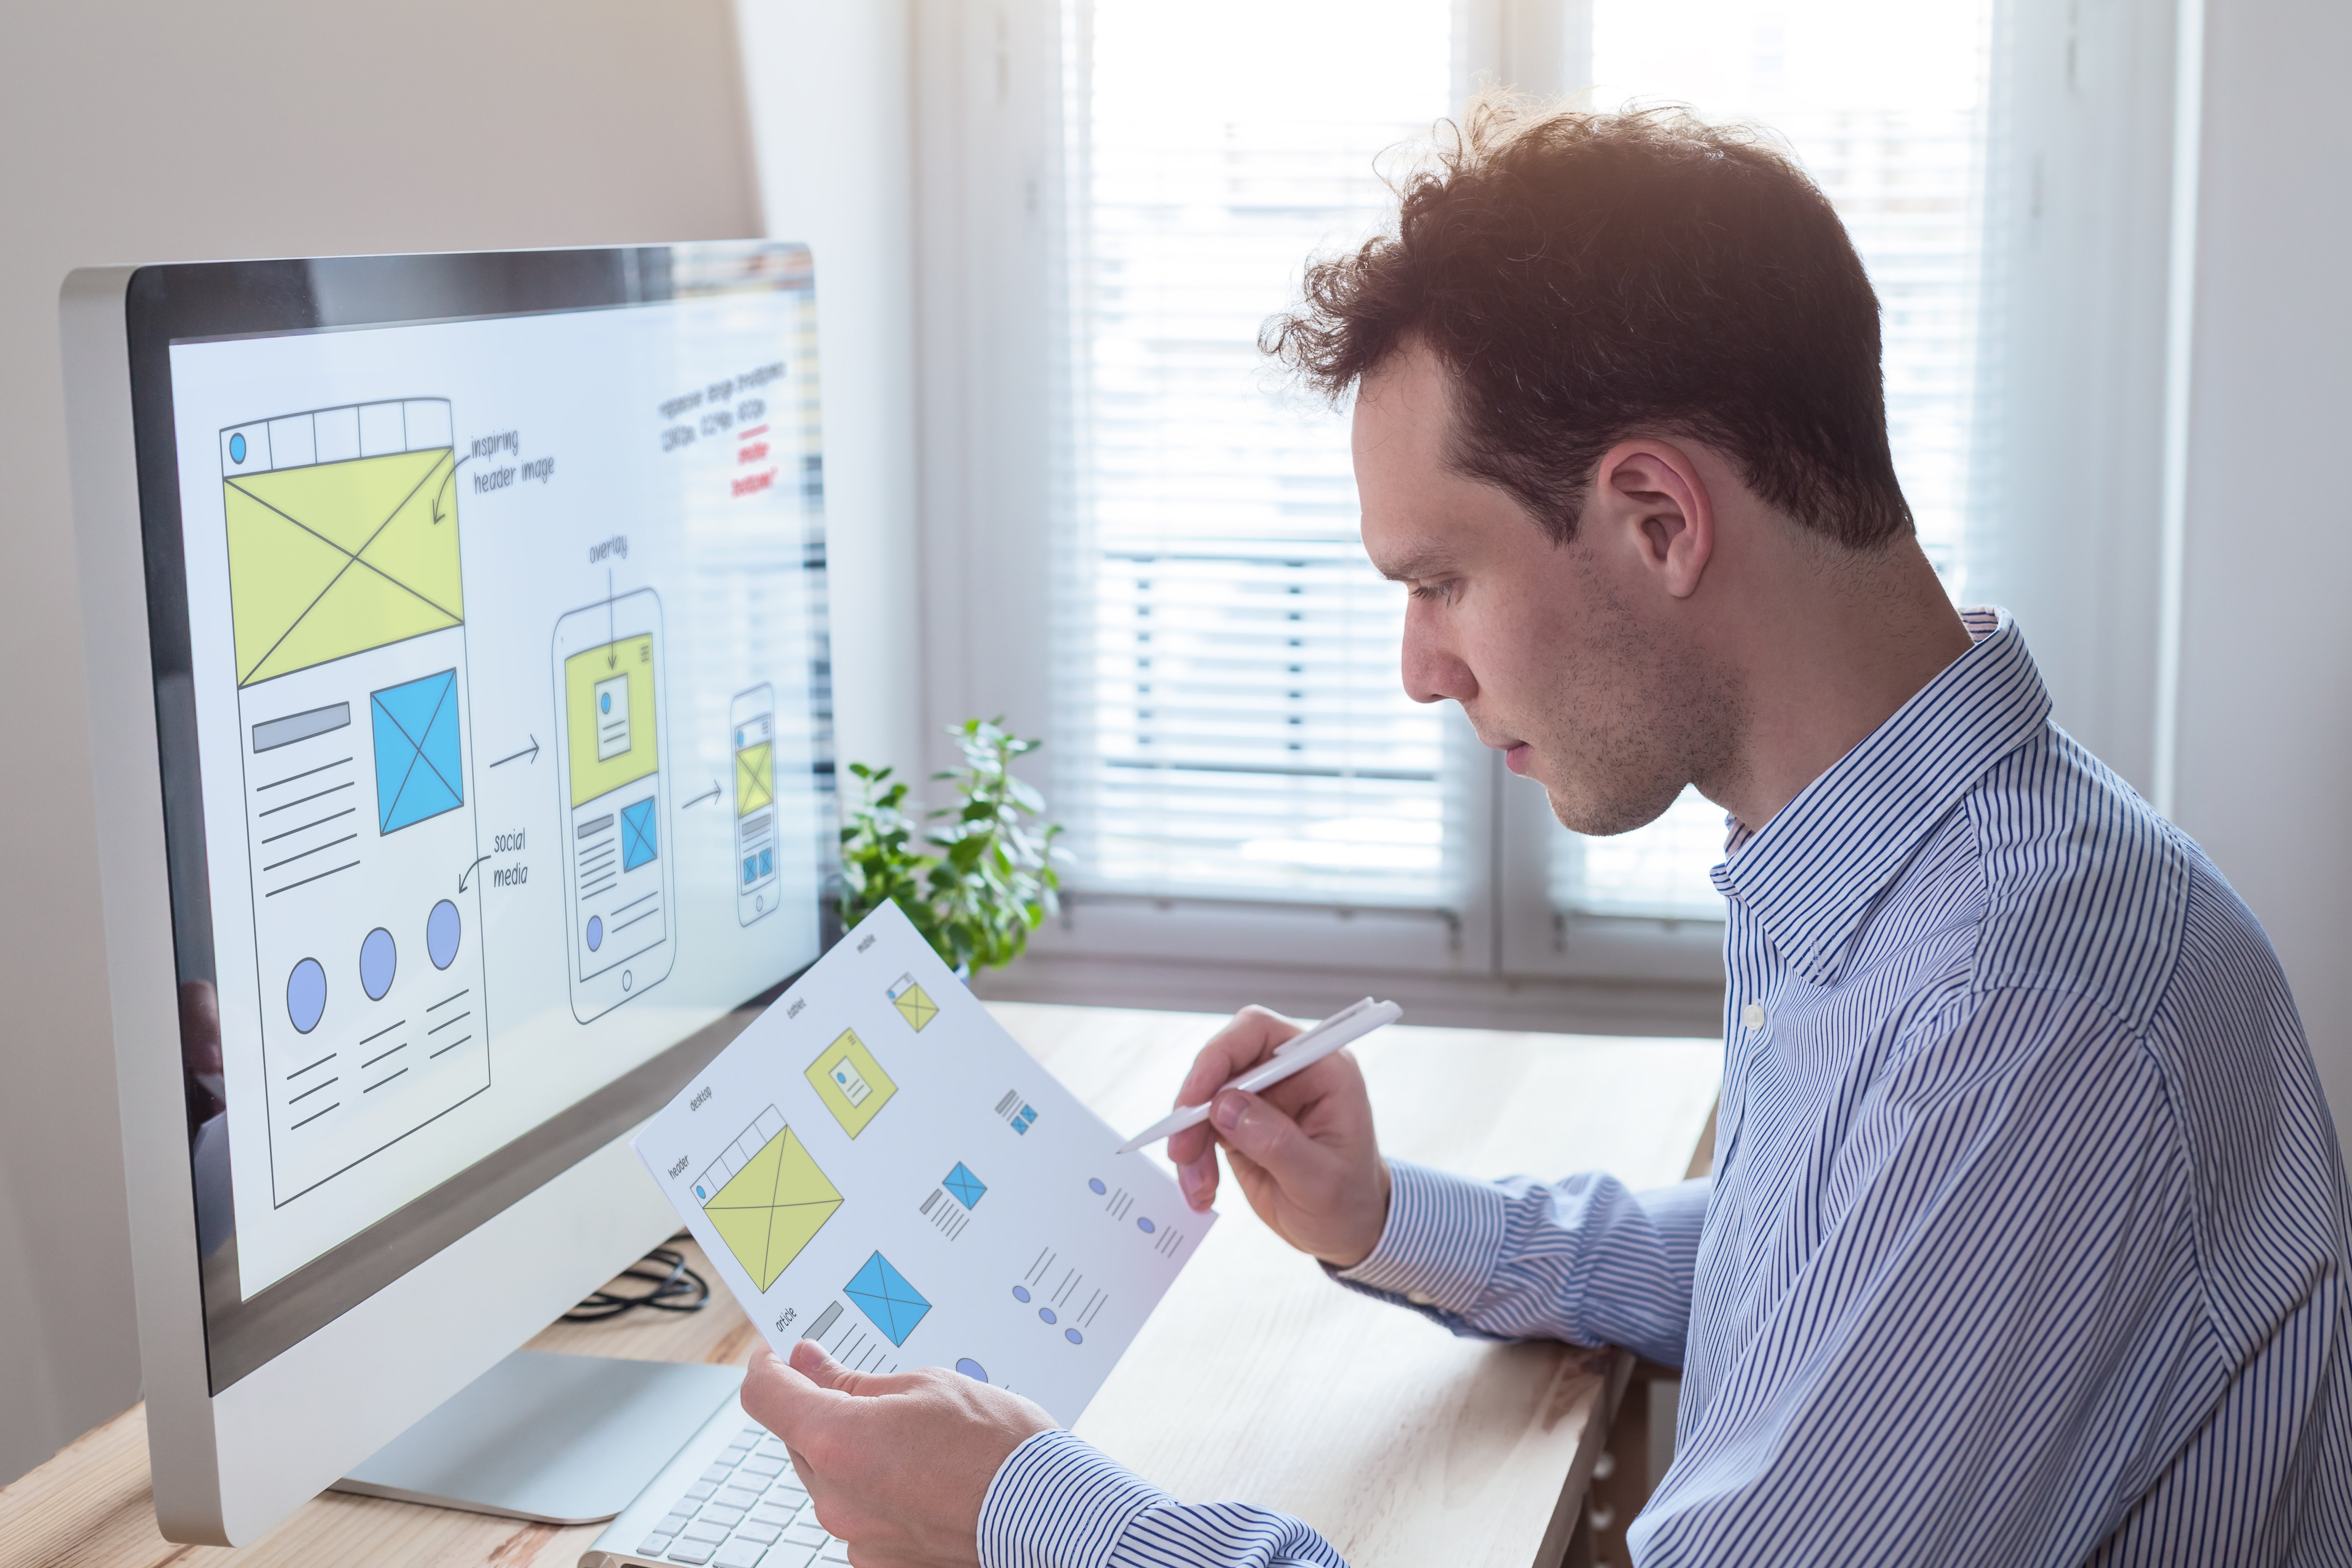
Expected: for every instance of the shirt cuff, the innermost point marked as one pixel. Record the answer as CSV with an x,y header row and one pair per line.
x,y
1058,1502
1442,1242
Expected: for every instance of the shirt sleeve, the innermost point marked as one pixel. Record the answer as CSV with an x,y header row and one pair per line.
x,y
1058,1502
1587,1260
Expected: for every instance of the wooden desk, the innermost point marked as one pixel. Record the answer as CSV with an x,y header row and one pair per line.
x,y
1257,1379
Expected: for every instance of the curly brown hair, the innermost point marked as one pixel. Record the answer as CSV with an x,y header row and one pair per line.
x,y
1585,278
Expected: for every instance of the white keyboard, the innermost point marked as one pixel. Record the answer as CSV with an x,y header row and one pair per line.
x,y
729,1500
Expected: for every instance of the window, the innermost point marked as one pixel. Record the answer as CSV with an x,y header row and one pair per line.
x,y
1229,743
1230,717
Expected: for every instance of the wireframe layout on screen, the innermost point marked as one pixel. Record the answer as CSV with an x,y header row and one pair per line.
x,y
347,597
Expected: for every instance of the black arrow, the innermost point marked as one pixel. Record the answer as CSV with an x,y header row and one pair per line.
x,y
469,871
712,795
446,484
531,750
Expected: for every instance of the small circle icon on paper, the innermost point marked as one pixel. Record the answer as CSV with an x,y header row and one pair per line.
x,y
972,1369
595,932
1021,1292
236,448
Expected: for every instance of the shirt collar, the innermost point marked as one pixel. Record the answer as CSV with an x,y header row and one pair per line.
x,y
1811,872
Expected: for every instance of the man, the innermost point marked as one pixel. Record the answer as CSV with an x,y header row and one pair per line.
x,y
2027,1239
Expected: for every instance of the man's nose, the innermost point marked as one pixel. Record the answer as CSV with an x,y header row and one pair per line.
x,y
1433,671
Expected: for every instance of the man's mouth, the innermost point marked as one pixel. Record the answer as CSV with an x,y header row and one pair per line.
x,y
1516,756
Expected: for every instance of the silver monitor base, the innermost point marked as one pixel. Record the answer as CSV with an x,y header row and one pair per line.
x,y
561,1440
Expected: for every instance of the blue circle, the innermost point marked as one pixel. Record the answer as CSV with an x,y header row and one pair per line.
x,y
378,960
1074,1337
1020,1292
595,932
441,928
306,994
972,1369
1145,1225
1048,1314
236,448
1095,1184
605,702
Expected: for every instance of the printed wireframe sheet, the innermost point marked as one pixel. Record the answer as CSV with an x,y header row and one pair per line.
x,y
876,1165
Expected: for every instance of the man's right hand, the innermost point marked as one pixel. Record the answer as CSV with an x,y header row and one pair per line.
x,y
1303,1151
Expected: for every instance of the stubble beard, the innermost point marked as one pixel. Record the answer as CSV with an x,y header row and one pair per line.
x,y
1637,717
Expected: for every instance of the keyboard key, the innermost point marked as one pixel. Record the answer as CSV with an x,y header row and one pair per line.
x,y
654,1544
679,1518
765,1465
740,1553
786,1554
769,1514
691,1552
755,1431
809,1535
715,1513
836,1550
739,1496
706,1530
773,1444
719,1472
754,1529
700,1491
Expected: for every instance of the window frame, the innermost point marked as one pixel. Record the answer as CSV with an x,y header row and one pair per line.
x,y
990,77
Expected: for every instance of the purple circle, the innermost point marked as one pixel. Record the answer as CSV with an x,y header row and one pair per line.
x,y
1074,1337
1046,1313
1021,1292
972,1369
595,932
1145,1225
442,930
1095,1186
379,961
306,994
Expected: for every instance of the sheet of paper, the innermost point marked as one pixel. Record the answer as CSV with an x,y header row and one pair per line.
x,y
876,1165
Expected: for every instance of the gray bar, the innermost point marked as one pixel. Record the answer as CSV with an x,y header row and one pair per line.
x,y
590,829
754,826
931,1202
824,1320
272,733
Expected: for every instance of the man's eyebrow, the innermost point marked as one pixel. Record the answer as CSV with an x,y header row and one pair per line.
x,y
1421,560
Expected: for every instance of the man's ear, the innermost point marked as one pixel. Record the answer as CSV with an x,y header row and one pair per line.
x,y
1648,498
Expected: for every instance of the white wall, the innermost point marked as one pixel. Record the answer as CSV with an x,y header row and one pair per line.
x,y
830,89
158,132
2264,713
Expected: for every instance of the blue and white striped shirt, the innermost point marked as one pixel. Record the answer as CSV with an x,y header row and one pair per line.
x,y
2027,1239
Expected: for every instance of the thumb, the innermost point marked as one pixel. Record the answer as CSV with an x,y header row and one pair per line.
x,y
783,1398
810,1360
1257,1129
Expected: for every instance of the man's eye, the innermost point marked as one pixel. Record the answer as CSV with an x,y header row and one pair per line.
x,y
1432,590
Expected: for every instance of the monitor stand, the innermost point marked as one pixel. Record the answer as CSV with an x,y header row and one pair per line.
x,y
561,1440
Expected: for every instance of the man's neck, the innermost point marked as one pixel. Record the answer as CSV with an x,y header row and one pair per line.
x,y
1827,664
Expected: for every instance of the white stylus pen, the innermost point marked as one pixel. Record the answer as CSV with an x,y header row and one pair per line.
x,y
1300,1051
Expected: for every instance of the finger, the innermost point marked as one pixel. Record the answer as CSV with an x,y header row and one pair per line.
x,y
1191,1145
1248,1040
1198,1179
784,1399
1259,1131
810,1360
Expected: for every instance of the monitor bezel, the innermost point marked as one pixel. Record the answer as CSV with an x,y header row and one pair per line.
x,y
181,303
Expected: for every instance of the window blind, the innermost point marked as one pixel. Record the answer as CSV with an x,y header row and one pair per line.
x,y
1886,107
1229,718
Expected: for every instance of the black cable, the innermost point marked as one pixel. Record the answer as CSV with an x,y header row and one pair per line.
x,y
669,1277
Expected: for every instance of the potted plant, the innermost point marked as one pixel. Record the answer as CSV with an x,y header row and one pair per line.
x,y
986,878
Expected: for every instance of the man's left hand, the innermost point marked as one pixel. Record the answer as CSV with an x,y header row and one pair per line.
x,y
897,1465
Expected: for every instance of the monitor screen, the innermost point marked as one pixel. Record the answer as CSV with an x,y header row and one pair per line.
x,y
488,616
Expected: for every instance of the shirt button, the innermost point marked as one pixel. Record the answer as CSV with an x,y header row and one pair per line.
x,y
1419,1298
1752,1015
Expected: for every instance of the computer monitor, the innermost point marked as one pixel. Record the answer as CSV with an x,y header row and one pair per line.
x,y
459,699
